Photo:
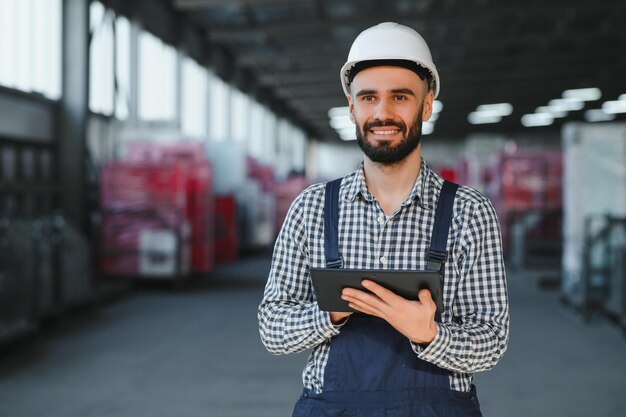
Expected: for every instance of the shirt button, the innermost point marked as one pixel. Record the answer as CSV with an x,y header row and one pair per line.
x,y
380,219
383,260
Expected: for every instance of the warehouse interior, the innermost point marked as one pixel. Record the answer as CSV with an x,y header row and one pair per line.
x,y
150,151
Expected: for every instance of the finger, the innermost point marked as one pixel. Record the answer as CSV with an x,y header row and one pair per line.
x,y
365,302
389,297
362,296
365,308
425,297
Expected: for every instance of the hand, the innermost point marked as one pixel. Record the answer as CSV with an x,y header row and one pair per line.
x,y
414,319
337,317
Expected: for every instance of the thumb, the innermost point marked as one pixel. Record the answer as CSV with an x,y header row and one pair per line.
x,y
425,297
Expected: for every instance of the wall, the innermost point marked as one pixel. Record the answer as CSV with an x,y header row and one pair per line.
x,y
22,117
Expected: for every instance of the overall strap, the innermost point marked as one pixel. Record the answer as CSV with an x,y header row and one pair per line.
x,y
331,225
437,255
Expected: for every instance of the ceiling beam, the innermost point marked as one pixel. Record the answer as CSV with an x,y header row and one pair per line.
x,y
304,77
196,4
301,92
264,56
496,46
321,104
305,28
475,15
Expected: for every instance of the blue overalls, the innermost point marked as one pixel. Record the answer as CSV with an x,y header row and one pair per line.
x,y
372,371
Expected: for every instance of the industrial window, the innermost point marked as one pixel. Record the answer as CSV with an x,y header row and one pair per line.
x,y
101,62
239,108
269,137
30,46
284,129
283,145
219,105
194,99
290,147
109,62
157,79
298,149
257,113
122,68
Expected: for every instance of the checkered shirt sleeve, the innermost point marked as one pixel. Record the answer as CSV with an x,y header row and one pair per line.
x,y
476,337
289,318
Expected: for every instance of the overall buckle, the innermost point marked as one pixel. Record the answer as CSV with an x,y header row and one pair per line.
x,y
435,259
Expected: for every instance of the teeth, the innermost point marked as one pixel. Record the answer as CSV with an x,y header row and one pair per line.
x,y
385,132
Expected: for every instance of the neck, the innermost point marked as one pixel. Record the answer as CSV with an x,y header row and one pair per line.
x,y
391,184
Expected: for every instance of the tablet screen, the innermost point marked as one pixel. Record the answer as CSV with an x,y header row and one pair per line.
x,y
328,284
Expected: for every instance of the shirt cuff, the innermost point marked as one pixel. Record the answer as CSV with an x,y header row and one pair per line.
x,y
324,326
437,348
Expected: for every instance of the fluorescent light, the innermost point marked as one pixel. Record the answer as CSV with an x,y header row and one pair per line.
x,y
622,97
496,109
566,104
341,122
478,118
614,107
339,111
537,119
427,128
437,106
598,115
489,113
347,135
551,110
585,94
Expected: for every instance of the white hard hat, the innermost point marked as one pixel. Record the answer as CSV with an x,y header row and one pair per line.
x,y
389,41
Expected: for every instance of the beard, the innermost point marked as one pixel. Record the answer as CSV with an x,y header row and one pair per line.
x,y
385,153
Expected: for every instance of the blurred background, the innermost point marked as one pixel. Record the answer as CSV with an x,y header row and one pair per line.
x,y
150,149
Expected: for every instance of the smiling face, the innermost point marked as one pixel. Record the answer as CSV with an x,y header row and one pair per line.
x,y
388,105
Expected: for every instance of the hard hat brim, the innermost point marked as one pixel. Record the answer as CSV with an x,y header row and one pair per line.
x,y
345,70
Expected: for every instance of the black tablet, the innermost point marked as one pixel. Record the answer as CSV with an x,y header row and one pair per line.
x,y
328,284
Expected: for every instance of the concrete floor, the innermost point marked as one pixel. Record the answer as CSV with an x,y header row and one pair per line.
x,y
196,352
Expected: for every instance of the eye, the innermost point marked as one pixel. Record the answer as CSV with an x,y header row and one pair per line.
x,y
399,97
368,98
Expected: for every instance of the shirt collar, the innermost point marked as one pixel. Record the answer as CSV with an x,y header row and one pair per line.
x,y
423,191
358,186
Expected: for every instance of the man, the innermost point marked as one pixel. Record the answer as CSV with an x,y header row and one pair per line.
x,y
394,357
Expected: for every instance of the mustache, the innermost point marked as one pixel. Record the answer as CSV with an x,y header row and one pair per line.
x,y
385,123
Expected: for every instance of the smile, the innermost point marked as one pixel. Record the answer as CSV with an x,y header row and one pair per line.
x,y
385,132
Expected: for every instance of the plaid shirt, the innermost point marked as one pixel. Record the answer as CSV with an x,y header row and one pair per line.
x,y
473,332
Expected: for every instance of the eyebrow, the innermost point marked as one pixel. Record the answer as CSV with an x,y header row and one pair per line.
x,y
403,91
368,92
365,93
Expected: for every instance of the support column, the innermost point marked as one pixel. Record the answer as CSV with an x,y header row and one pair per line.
x,y
74,111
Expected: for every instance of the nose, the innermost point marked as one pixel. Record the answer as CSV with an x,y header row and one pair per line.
x,y
383,110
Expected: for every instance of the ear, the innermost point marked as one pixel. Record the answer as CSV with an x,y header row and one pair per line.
x,y
427,109
351,109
